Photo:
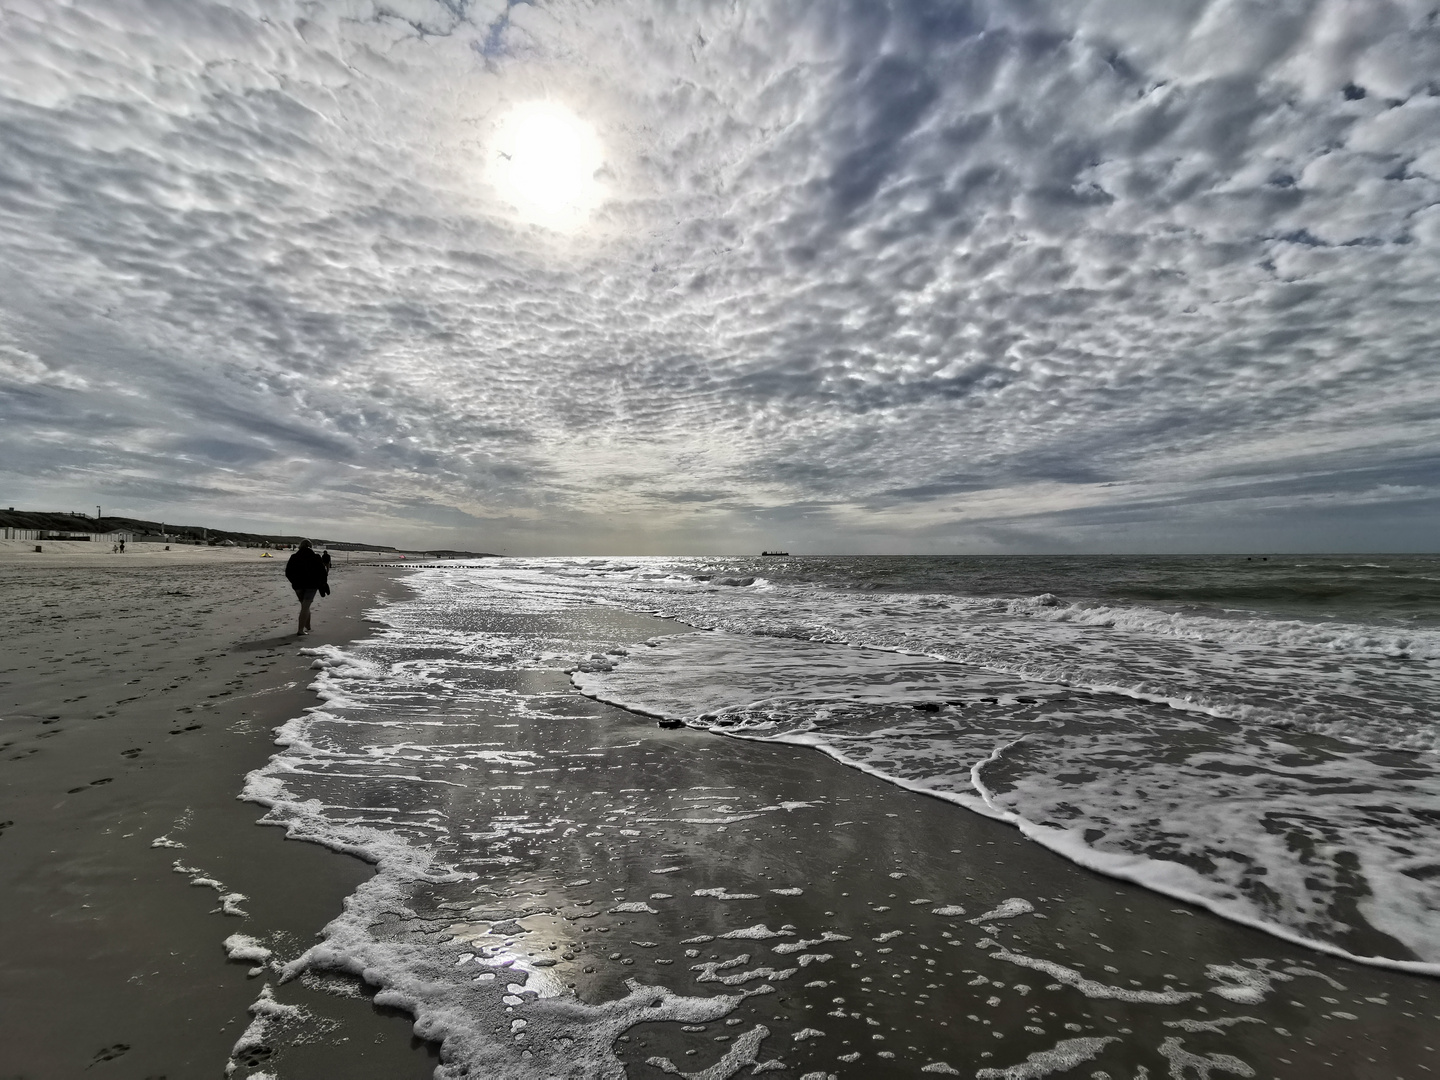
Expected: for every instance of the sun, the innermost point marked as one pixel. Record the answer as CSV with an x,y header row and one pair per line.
x,y
543,160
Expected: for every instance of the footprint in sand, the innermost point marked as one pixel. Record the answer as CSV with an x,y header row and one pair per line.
x,y
108,1053
253,1056
93,783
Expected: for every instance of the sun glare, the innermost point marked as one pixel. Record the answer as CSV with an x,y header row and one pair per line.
x,y
544,161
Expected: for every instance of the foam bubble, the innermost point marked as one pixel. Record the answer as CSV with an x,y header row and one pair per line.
x,y
1244,985
744,1051
758,932
1089,987
246,949
806,959
1182,1061
1007,909
1063,1055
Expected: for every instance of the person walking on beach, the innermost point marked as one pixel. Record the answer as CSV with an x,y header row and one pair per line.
x,y
308,575
325,558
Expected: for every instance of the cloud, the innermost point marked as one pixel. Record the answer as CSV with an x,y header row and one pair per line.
x,y
21,368
857,273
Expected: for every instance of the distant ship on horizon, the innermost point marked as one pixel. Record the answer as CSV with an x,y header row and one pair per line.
x,y
774,553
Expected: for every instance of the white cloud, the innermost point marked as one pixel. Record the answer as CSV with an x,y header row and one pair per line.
x,y
844,259
24,369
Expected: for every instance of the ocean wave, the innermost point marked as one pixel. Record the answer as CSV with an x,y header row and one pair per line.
x,y
1256,632
1318,843
1329,679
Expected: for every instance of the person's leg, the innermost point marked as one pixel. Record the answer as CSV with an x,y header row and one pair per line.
x,y
307,597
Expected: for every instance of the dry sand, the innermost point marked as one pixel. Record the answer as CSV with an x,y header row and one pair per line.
x,y
87,553
134,699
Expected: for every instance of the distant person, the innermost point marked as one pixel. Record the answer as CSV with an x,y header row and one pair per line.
x,y
325,558
308,575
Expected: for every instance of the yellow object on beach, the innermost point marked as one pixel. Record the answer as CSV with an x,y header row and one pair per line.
x,y
267,555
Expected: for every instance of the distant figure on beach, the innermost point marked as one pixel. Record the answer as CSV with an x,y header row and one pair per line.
x,y
325,558
308,574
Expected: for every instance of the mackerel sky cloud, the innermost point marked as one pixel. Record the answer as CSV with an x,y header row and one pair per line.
x,y
925,276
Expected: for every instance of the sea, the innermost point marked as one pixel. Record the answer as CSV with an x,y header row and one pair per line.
x,y
1258,737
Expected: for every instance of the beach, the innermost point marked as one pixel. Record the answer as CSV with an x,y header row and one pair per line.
x,y
554,885
136,692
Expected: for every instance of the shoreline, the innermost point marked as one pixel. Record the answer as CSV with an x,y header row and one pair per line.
x,y
758,844
135,697
1116,868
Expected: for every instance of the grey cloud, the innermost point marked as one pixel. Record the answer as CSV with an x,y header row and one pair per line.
x,y
872,262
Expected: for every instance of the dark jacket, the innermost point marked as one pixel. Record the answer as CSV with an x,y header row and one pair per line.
x,y
306,570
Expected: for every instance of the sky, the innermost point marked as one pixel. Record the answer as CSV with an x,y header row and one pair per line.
x,y
925,276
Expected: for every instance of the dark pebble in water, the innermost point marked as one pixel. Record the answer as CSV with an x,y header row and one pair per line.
x,y
670,723
73,790
927,706
1028,700
102,780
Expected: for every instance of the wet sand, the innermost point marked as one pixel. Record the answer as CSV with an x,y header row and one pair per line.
x,y
134,700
